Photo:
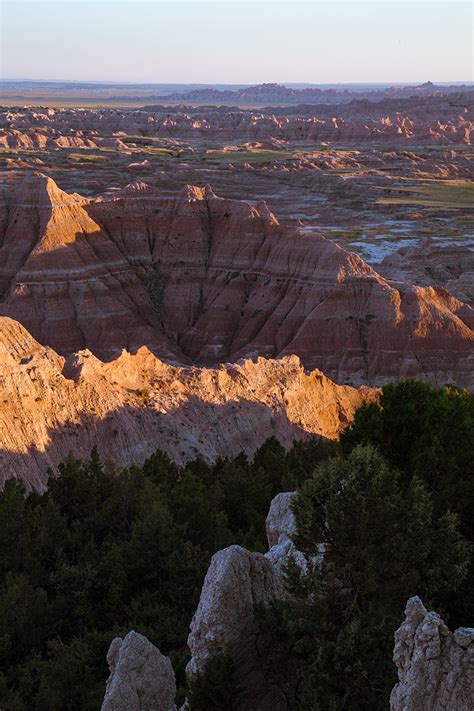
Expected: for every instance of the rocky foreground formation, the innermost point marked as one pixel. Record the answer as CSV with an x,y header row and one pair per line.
x,y
135,404
141,678
224,623
435,666
201,279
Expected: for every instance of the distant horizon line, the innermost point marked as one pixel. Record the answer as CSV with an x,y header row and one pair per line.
x,y
230,84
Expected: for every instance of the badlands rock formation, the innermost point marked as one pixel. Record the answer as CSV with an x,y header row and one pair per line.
x,y
432,263
224,623
435,666
202,279
141,678
130,406
436,119
281,527
280,524
47,92
272,93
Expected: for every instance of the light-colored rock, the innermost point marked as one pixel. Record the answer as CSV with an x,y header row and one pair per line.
x,y
280,522
235,582
281,527
141,678
224,623
435,666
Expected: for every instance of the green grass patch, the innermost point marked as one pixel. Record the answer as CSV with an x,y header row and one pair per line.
x,y
160,151
453,194
258,155
85,158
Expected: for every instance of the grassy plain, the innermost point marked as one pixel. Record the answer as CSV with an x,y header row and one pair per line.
x,y
434,194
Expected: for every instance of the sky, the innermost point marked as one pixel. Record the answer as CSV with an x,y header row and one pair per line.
x,y
195,41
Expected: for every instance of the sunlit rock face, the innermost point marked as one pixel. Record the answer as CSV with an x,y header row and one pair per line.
x,y
201,279
136,403
435,666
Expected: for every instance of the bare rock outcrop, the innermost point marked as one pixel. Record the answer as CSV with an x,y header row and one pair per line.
x,y
395,116
432,263
141,678
202,279
435,666
224,622
235,582
281,526
280,523
135,404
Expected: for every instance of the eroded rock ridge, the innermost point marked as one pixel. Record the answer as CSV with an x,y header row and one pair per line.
x,y
202,279
130,406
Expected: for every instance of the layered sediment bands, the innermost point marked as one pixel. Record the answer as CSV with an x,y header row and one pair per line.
x,y
129,407
65,279
440,118
202,279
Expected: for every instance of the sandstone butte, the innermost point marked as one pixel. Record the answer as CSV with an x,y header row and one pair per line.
x,y
202,280
52,406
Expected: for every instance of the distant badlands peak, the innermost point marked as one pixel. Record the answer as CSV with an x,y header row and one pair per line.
x,y
191,192
39,190
137,186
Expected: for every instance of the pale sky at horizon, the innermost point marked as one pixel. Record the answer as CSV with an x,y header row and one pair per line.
x,y
195,41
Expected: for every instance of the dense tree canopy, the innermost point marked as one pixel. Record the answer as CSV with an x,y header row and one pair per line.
x,y
394,511
428,433
103,552
383,543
